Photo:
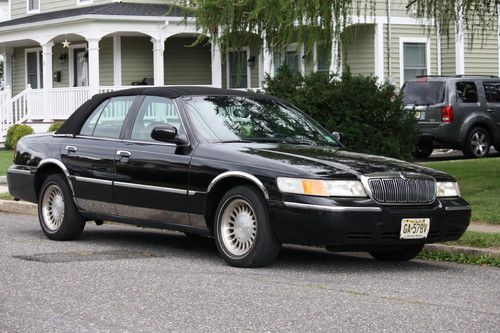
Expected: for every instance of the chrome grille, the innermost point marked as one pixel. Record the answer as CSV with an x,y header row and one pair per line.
x,y
398,190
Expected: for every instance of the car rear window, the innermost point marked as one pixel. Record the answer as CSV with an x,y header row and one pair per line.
x,y
423,92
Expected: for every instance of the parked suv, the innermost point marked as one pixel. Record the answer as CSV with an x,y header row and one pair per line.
x,y
457,112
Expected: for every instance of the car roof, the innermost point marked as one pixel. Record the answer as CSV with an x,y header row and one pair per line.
x,y
73,124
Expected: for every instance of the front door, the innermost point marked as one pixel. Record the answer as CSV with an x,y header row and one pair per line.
x,y
80,67
34,71
90,156
152,177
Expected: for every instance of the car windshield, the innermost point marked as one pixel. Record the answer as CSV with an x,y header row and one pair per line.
x,y
423,92
235,118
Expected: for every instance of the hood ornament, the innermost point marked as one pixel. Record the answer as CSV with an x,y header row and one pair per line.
x,y
403,176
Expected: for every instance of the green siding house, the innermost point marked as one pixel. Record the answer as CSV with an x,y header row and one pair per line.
x,y
58,53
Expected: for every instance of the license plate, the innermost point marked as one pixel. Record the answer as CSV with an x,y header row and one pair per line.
x,y
418,114
415,228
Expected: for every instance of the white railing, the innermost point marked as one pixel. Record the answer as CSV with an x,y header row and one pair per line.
x,y
14,110
5,95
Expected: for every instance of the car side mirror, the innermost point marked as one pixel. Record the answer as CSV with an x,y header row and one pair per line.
x,y
167,133
337,136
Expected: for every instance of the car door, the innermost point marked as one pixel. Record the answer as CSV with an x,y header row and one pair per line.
x,y
151,179
90,155
492,92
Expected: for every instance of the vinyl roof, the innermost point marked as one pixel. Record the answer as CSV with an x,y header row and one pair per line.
x,y
115,8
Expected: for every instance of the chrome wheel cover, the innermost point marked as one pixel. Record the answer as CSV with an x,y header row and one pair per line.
x,y
53,207
238,227
479,144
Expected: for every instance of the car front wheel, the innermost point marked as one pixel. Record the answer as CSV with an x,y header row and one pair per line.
x,y
243,231
403,253
57,213
478,143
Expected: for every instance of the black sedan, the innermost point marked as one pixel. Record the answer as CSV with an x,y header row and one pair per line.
x,y
248,169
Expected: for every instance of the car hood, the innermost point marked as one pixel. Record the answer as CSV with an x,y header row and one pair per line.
x,y
320,161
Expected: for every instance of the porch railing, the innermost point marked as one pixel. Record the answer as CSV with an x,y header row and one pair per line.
x,y
13,110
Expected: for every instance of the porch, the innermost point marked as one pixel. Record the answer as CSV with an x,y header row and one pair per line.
x,y
47,79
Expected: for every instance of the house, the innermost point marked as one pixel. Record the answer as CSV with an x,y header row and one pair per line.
x,y
58,53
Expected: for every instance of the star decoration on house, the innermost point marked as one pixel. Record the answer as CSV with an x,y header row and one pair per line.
x,y
65,44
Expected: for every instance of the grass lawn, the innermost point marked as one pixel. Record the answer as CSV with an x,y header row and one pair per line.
x,y
478,239
479,182
6,157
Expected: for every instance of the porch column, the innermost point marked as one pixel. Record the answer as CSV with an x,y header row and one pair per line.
x,y
335,61
379,52
117,61
93,51
47,64
158,49
216,65
7,69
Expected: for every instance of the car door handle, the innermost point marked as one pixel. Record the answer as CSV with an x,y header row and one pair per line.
x,y
71,149
123,153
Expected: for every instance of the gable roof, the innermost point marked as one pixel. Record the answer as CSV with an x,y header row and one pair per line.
x,y
115,8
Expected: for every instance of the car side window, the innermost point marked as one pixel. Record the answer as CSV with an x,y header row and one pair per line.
x,y
107,119
466,92
492,91
155,111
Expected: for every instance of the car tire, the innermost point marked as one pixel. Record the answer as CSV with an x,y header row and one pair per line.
x,y
478,143
57,212
243,232
423,151
404,253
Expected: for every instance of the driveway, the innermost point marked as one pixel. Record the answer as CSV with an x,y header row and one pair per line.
x,y
121,278
448,154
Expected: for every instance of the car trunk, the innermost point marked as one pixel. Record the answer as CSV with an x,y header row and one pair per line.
x,y
426,98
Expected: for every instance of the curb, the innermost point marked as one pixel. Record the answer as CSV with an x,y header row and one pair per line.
x,y
28,208
18,207
474,251
3,180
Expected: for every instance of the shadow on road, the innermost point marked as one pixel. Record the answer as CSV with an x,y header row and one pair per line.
x,y
163,244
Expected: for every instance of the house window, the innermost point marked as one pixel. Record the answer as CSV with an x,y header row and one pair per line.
x,y
33,6
34,69
414,60
238,75
322,58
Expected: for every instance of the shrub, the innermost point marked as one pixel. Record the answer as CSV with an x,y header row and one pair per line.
x,y
54,127
16,132
370,115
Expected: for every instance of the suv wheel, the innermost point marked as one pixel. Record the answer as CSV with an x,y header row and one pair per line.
x,y
423,151
478,143
243,232
57,213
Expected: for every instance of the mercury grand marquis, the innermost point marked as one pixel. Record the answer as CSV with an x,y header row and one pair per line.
x,y
249,170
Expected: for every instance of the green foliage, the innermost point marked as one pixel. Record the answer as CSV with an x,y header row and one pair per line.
x,y
320,21
461,258
16,132
370,116
478,239
54,127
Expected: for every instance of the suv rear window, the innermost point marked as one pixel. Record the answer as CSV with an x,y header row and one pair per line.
x,y
423,92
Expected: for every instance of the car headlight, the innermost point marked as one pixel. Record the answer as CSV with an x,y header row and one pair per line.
x,y
325,188
447,189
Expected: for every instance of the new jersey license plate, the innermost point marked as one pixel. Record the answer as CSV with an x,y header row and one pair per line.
x,y
415,228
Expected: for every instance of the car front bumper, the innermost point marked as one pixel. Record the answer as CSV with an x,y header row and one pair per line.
x,y
362,224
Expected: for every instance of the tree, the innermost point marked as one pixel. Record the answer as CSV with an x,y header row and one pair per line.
x,y
311,22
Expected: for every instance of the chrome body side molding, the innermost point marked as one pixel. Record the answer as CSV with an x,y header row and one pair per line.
x,y
338,209
239,174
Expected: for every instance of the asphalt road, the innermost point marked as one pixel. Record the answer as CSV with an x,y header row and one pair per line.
x,y
448,155
120,278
